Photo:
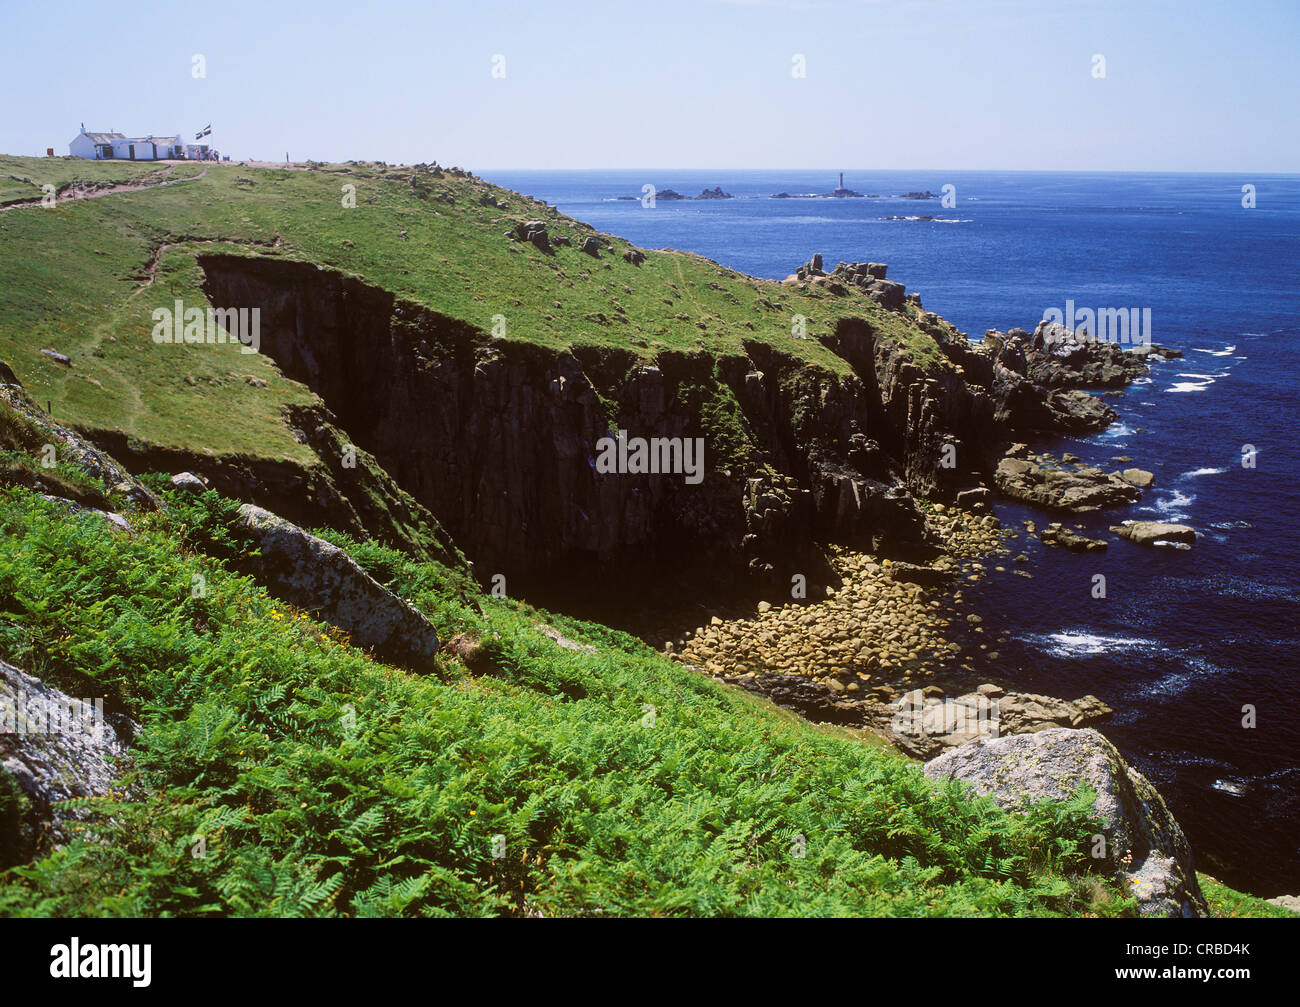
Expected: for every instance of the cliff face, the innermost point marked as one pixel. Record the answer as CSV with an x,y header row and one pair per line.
x,y
499,439
348,493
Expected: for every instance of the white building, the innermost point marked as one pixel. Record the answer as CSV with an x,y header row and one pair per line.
x,y
115,146
93,146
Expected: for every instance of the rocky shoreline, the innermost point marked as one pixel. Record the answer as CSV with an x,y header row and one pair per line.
x,y
877,649
874,647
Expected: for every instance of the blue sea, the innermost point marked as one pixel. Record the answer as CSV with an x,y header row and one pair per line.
x,y
1185,643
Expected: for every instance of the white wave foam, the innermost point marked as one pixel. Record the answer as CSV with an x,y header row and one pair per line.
x,y
1188,386
1172,508
1203,472
1226,352
1193,668
932,220
1072,643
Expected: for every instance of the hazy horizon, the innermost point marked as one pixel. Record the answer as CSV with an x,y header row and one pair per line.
x,y
988,85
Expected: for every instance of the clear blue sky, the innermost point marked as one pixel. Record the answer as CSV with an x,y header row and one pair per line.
x,y
1190,85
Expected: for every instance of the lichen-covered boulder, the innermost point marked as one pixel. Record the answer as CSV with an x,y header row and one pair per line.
x,y
53,747
1143,841
188,482
313,574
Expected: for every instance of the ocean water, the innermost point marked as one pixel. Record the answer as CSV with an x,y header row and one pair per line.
x,y
1183,640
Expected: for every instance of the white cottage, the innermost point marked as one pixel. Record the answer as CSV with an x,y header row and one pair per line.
x,y
106,146
93,146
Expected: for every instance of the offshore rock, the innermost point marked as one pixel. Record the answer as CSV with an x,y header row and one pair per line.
x,y
1156,533
1044,482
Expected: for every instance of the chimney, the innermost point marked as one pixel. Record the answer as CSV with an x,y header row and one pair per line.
x,y
841,180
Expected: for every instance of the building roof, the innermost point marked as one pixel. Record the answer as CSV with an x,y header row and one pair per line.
x,y
104,137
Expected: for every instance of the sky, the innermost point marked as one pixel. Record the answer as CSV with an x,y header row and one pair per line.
x,y
1188,85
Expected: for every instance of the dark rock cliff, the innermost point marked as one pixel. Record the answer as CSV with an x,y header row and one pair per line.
x,y
498,439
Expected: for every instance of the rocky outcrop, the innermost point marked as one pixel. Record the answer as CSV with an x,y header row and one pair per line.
x,y
1026,712
533,232
1156,533
113,519
923,723
53,747
1140,478
314,574
1044,482
671,195
29,428
1004,367
1144,843
1058,535
1057,357
1154,350
869,277
560,639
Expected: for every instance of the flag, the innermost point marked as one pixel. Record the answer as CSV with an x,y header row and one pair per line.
x,y
203,132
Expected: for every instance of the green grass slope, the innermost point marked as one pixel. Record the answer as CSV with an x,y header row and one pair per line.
x,y
25,178
597,781
83,277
